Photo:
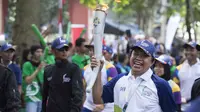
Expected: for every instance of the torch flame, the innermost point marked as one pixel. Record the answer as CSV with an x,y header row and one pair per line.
x,y
103,7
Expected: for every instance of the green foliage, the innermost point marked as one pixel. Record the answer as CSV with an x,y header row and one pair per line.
x,y
176,6
196,9
179,6
48,10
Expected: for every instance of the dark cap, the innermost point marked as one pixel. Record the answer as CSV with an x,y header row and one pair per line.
x,y
59,43
6,47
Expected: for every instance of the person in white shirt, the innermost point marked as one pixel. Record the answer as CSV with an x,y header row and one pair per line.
x,y
108,72
138,91
189,71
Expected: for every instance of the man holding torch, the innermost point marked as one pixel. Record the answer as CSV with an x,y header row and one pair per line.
x,y
138,91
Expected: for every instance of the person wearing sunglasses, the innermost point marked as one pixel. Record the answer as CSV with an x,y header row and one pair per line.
x,y
63,87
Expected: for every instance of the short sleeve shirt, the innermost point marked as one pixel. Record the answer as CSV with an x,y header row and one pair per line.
x,y
32,91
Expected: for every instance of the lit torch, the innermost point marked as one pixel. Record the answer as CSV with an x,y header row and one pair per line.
x,y
98,31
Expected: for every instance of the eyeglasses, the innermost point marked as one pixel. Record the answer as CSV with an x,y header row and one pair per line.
x,y
63,49
139,53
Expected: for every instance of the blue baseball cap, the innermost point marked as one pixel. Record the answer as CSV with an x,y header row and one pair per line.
x,y
6,47
193,45
146,46
59,43
159,48
165,59
108,49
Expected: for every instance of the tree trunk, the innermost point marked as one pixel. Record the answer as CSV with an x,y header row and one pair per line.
x,y
28,12
187,19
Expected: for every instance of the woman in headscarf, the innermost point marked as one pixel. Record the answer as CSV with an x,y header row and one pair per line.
x,y
162,69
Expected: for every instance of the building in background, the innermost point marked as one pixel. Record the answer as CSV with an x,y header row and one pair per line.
x,y
80,17
3,14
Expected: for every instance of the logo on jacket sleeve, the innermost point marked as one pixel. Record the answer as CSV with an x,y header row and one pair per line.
x,y
65,78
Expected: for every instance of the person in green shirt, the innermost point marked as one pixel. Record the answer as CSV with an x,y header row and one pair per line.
x,y
32,80
80,58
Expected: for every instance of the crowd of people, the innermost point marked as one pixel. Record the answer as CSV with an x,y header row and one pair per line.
x,y
142,78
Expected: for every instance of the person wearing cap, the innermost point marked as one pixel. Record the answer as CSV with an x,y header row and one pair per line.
x,y
7,55
80,58
33,79
138,91
195,93
63,88
162,69
107,53
9,94
108,72
189,71
160,49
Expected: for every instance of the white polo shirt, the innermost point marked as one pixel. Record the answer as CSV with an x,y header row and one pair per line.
x,y
147,93
187,75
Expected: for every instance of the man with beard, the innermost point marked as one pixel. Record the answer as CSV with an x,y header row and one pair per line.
x,y
138,91
189,71
63,88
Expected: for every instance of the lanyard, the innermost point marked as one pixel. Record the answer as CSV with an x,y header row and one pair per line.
x,y
127,93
